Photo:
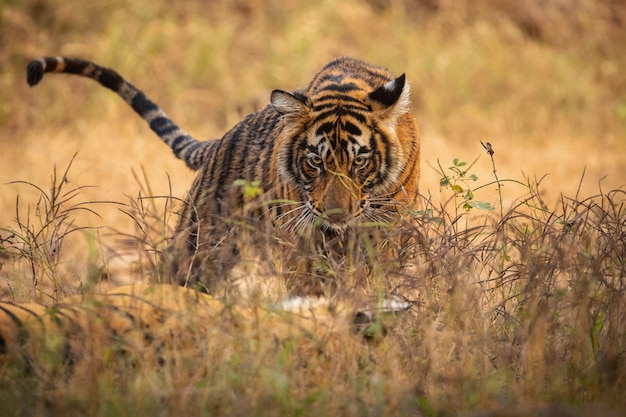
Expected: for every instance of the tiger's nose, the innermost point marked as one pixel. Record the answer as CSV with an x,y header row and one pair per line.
x,y
337,215
343,215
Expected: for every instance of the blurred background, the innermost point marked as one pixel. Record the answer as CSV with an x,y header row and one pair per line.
x,y
542,80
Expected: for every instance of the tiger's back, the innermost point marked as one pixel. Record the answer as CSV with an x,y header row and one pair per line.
x,y
341,152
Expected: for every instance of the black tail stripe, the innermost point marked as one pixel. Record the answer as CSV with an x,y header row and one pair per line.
x,y
160,124
143,105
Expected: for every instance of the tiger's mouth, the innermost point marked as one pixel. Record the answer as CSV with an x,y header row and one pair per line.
x,y
334,226
336,219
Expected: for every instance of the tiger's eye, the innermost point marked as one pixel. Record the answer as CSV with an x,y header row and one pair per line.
x,y
360,161
315,161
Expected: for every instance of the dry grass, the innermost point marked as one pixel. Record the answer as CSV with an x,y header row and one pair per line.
x,y
518,307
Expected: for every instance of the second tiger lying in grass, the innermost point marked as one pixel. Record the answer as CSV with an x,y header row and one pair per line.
x,y
325,159
153,325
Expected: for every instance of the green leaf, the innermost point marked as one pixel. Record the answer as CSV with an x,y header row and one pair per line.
x,y
481,205
458,163
457,188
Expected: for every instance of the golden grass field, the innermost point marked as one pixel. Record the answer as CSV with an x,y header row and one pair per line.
x,y
537,321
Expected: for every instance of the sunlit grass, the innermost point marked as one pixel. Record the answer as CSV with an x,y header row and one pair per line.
x,y
510,310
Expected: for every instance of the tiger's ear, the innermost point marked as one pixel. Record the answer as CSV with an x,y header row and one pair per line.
x,y
393,98
291,105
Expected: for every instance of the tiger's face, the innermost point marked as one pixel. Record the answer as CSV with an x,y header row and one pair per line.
x,y
342,149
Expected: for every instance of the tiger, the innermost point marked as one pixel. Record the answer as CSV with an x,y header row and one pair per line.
x,y
325,159
153,324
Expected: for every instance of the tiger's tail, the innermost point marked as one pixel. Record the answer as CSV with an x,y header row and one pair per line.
x,y
184,146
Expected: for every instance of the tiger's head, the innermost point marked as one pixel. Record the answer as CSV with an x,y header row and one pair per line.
x,y
349,146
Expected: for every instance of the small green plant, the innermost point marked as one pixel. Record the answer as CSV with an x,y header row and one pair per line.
x,y
251,189
459,182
